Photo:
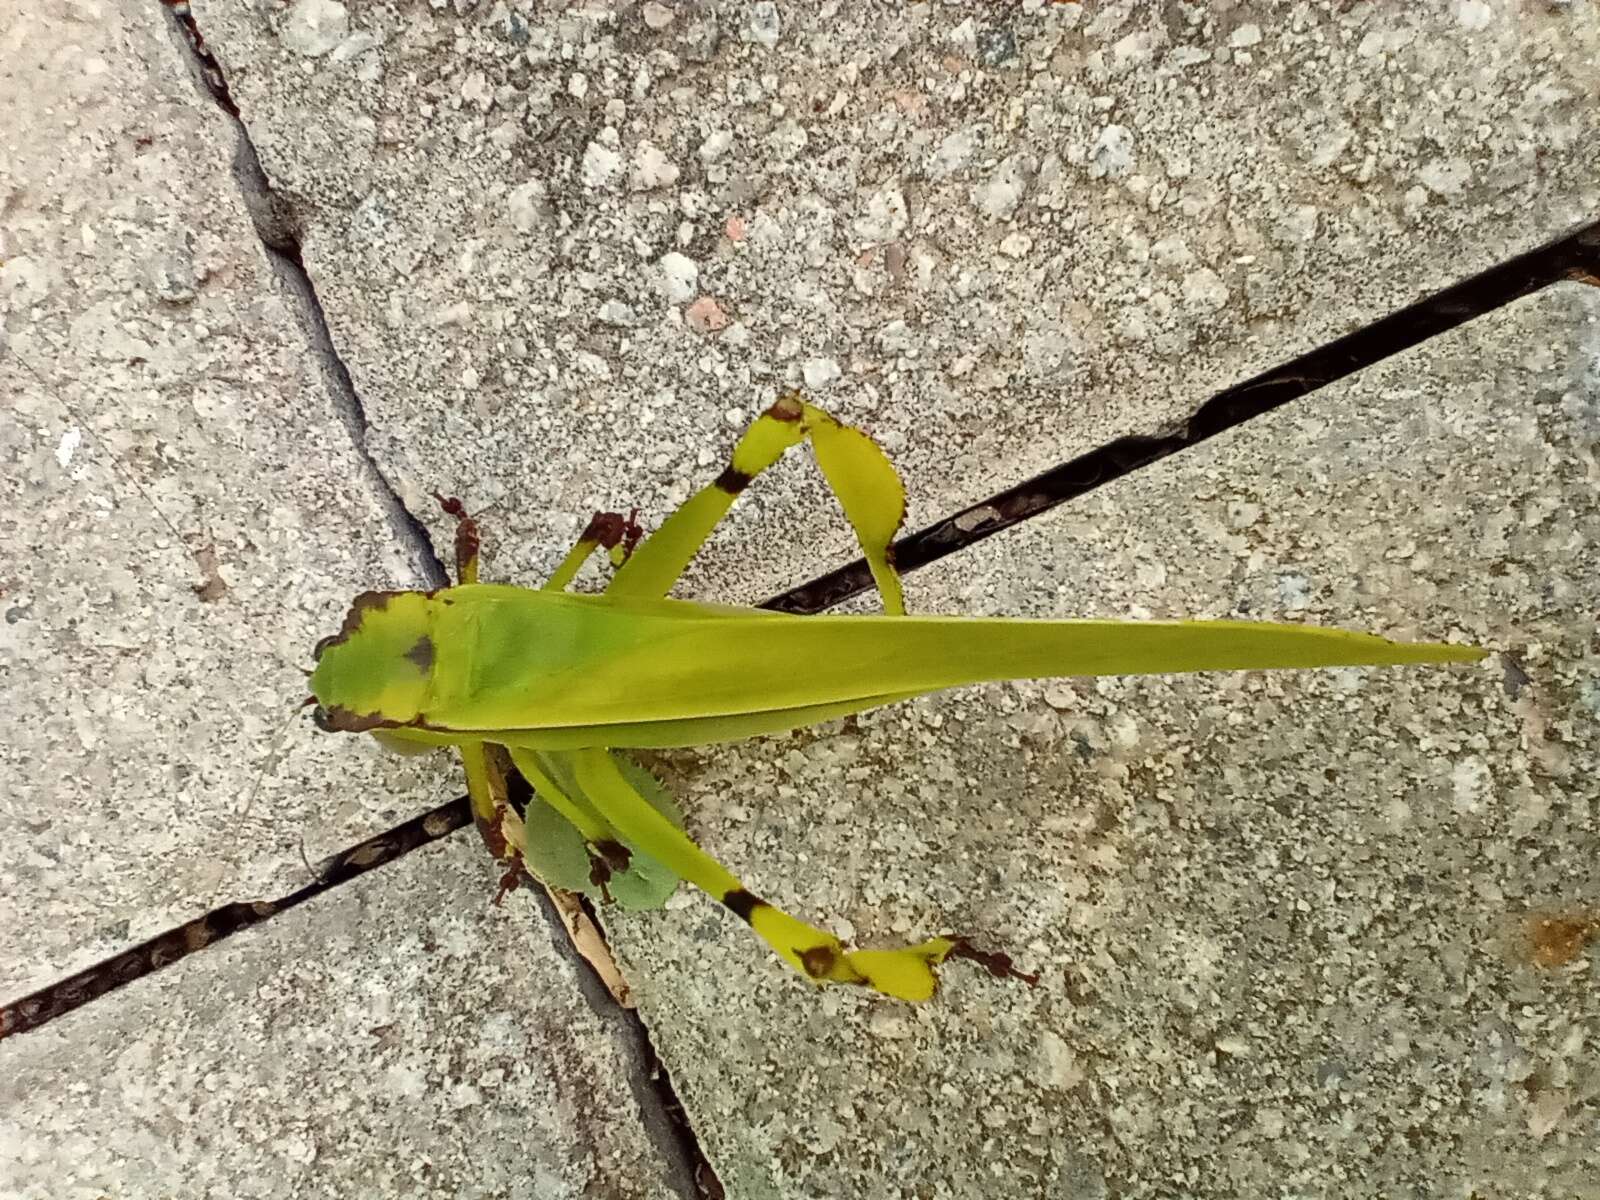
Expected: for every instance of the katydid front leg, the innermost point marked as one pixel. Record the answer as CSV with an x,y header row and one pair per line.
x,y
608,531
492,813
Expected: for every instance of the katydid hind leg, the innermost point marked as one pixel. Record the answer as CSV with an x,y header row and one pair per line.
x,y
906,973
857,472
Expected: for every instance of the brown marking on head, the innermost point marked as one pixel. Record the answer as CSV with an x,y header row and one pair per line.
x,y
339,719
422,654
997,964
787,407
743,903
819,960
359,607
733,481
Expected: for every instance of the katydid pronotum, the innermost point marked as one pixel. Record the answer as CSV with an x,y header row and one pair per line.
x,y
557,682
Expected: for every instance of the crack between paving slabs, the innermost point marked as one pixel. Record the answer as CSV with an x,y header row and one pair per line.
x,y
688,1172
276,226
1575,257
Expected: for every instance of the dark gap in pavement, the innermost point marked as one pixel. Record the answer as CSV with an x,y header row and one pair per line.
x,y
686,1170
1575,257
166,948
277,227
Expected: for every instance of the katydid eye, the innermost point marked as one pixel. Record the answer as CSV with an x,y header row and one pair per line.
x,y
322,720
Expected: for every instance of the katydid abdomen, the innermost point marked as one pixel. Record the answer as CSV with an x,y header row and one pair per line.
x,y
552,669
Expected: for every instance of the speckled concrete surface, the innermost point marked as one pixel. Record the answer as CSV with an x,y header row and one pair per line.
x,y
1282,919
568,249
399,1037
164,427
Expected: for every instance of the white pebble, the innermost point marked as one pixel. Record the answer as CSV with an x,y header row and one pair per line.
x,y
652,168
1204,290
315,27
765,24
601,167
819,372
679,277
615,312
1112,153
1016,245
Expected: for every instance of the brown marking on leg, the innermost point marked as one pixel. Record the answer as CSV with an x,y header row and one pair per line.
x,y
632,533
743,903
469,541
997,964
600,875
495,839
616,855
819,960
733,481
509,882
787,407
610,530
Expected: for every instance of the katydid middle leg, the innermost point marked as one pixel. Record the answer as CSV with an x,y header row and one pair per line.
x,y
863,479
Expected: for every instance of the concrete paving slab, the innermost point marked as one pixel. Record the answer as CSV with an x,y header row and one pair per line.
x,y
1328,933
569,249
397,1037
566,253
181,511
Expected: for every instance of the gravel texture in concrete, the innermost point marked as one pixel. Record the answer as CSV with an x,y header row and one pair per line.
x,y
568,250
400,1037
182,514
1325,933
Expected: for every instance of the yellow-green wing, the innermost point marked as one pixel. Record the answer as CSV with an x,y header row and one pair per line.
x,y
507,659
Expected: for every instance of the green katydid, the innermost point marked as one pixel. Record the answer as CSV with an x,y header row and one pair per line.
x,y
558,681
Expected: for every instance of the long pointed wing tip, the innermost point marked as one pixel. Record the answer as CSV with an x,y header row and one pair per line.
x,y
1450,652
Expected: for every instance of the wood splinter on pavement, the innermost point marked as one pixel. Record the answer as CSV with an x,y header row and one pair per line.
x,y
591,943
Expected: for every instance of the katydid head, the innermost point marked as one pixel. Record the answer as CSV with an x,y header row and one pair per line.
x,y
375,672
